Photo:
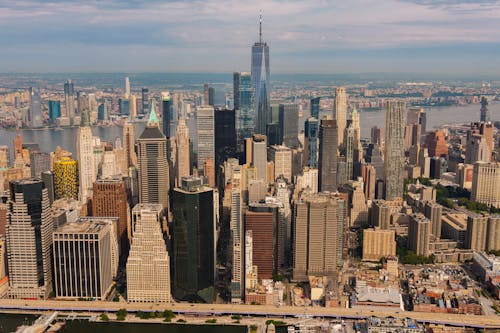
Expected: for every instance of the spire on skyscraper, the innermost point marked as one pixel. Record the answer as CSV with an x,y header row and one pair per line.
x,y
260,26
153,117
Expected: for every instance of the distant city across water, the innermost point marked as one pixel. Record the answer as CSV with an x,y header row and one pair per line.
x,y
49,139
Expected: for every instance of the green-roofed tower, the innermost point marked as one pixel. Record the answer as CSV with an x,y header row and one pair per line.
x,y
153,117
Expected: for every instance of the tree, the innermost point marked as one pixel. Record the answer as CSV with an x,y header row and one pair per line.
x,y
104,317
121,314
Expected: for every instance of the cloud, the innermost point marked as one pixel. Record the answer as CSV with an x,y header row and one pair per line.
x,y
217,34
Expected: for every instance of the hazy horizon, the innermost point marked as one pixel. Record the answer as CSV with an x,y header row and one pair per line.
x,y
312,37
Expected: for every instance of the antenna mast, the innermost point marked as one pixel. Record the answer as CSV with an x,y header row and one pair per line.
x,y
260,26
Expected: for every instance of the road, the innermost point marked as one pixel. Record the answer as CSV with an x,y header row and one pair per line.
x,y
486,321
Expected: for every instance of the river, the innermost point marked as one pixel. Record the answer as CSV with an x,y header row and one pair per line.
x,y
49,139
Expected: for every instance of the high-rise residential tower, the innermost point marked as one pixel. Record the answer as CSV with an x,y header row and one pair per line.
x,y
394,150
29,240
315,107
66,178
340,112
243,106
153,166
261,83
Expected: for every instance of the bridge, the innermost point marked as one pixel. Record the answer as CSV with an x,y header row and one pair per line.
x,y
97,307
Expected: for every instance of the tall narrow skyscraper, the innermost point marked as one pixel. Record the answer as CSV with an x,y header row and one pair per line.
x,y
85,152
166,113
340,111
153,167
127,86
206,136
69,99
145,100
35,110
327,164
243,106
260,83
485,113
315,107
182,160
394,150
29,240
129,144
311,141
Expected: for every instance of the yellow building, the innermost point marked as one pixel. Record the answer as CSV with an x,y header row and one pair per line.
x,y
66,178
378,243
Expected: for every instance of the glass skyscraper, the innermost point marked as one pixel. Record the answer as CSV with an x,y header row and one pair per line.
x,y
260,83
243,105
54,111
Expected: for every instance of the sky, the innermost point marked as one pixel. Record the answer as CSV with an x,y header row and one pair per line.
x,y
310,36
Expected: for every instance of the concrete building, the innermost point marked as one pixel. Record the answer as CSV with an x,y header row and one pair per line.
x,y
281,156
319,222
464,175
129,144
29,240
378,243
289,124
454,227
205,126
154,183
434,211
87,172
307,179
394,150
436,144
486,183
493,233
110,200
85,258
183,163
340,113
419,232
237,241
477,226
148,263
259,154
263,220
380,214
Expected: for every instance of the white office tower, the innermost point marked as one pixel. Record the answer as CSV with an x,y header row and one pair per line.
x,y
148,267
127,86
340,111
86,164
109,167
29,240
85,258
283,196
236,226
182,144
307,179
206,135
133,106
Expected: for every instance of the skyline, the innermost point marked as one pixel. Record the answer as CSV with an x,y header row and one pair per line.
x,y
439,37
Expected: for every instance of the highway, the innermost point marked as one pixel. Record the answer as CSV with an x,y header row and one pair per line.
x,y
486,321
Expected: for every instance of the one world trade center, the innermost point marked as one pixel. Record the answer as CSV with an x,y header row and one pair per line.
x,y
260,83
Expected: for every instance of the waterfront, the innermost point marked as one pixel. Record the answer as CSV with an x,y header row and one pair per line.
x,y
49,139
82,326
9,322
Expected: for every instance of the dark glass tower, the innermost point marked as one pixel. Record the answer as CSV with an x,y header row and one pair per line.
x,y
315,107
194,242
289,124
145,100
311,135
485,113
225,134
327,164
166,112
260,83
243,106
